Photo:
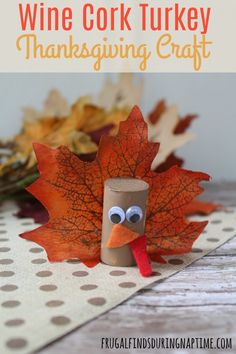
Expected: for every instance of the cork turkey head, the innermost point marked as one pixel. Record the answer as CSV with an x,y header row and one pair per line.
x,y
124,213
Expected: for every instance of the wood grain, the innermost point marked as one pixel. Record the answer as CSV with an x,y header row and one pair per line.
x,y
200,301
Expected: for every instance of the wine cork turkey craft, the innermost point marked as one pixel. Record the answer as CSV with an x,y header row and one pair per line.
x,y
115,209
123,241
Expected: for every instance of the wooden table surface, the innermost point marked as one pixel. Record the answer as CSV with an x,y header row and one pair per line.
x,y
200,301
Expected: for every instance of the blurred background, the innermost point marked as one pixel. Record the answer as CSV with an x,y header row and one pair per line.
x,y
211,96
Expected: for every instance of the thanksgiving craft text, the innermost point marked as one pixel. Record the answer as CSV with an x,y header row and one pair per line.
x,y
119,27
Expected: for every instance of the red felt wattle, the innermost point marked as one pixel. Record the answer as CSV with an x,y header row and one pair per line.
x,y
139,250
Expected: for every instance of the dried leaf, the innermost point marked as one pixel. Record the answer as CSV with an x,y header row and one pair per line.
x,y
36,130
173,160
170,161
96,135
54,106
126,92
32,209
156,114
184,123
17,158
72,131
72,192
164,132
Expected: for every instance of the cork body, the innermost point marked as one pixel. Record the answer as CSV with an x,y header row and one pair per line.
x,y
123,193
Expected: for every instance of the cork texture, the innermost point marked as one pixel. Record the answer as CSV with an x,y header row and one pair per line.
x,y
124,193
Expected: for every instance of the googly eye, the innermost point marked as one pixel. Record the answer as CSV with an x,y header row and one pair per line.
x,y
134,214
116,215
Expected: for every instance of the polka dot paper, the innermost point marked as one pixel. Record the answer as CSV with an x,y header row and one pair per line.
x,y
40,301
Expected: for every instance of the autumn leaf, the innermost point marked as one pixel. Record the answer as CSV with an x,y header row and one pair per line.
x,y
32,209
156,114
76,131
80,131
36,129
184,123
96,135
55,105
170,130
195,206
201,207
126,92
164,131
72,192
170,161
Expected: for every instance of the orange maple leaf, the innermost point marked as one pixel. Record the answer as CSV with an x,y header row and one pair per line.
x,y
201,207
72,192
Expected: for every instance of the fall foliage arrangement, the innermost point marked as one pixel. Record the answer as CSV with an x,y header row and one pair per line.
x,y
78,150
72,192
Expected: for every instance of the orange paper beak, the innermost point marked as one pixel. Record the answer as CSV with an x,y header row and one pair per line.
x,y
120,236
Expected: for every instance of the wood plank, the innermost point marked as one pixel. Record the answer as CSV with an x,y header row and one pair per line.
x,y
197,302
131,321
